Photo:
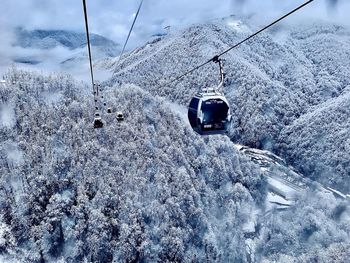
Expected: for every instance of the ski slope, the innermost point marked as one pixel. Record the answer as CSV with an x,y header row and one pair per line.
x,y
284,182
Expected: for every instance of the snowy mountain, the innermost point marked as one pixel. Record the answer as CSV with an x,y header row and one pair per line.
x,y
49,39
282,77
149,189
57,50
127,192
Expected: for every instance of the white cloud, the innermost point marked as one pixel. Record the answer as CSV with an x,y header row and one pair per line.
x,y
106,15
112,18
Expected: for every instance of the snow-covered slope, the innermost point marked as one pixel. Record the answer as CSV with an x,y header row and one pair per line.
x,y
318,143
144,190
49,39
273,82
149,189
56,50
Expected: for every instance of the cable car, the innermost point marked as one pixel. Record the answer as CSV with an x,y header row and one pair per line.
x,y
209,111
98,121
120,116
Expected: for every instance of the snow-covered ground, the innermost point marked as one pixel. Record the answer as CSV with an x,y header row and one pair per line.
x,y
7,115
152,188
284,182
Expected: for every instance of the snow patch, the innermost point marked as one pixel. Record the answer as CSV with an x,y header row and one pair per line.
x,y
337,193
6,240
250,225
7,116
14,154
275,199
280,187
66,196
237,25
179,109
3,229
52,97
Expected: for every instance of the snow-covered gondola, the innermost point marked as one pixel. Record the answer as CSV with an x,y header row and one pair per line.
x,y
98,121
120,116
209,111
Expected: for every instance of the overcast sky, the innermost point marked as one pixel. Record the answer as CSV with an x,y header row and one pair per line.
x,y
112,18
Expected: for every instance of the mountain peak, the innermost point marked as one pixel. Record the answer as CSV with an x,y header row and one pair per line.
x,y
49,39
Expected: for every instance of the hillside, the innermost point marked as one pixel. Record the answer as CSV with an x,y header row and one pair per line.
x,y
280,77
54,51
325,131
49,39
128,191
149,189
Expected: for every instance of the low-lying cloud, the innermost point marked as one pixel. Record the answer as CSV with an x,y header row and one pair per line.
x,y
113,18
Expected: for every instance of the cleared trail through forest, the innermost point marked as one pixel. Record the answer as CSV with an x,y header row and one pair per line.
x,y
284,182
283,179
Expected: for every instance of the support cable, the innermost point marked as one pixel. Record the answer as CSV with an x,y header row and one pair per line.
x,y
89,45
130,31
214,59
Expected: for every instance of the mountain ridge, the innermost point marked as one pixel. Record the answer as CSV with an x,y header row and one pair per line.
x,y
149,189
48,39
270,82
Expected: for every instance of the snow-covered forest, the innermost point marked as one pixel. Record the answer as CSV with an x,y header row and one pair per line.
x,y
149,189
294,77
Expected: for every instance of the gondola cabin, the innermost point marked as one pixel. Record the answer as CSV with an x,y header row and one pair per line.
x,y
98,121
120,116
209,113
